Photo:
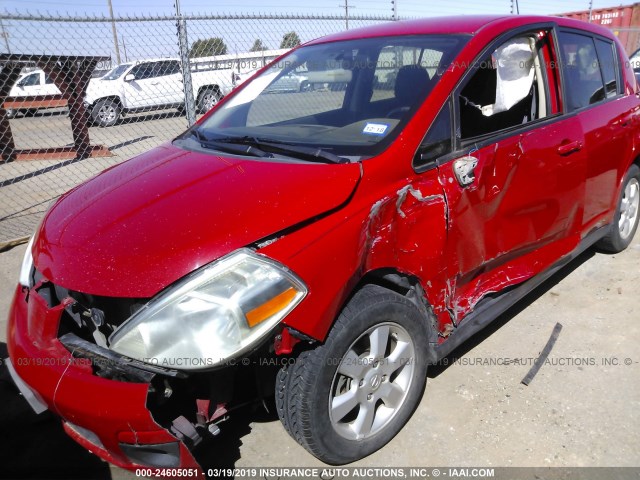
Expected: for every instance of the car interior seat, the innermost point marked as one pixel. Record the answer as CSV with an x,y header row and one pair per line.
x,y
411,82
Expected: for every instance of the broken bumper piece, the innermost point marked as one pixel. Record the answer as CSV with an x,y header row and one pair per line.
x,y
108,417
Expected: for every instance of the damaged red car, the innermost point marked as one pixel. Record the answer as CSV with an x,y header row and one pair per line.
x,y
318,249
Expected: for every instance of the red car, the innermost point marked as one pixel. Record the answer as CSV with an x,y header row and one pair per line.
x,y
327,245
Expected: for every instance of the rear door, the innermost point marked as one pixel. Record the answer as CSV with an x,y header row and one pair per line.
x,y
171,80
595,92
515,188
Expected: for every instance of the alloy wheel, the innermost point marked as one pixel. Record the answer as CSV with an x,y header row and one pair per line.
x,y
372,381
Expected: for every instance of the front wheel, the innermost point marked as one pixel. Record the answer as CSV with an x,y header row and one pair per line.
x,y
351,396
105,113
11,113
627,214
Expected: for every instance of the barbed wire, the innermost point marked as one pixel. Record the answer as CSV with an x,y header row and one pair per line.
x,y
59,17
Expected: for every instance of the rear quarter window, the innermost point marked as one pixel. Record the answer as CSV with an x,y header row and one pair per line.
x,y
590,69
608,67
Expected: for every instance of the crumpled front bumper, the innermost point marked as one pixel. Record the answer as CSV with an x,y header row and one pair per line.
x,y
107,417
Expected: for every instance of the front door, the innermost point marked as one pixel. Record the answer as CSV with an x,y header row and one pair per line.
x,y
515,192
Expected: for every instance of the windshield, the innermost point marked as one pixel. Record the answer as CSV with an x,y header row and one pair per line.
x,y
347,98
116,72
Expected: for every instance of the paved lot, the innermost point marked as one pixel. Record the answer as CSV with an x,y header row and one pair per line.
x,y
580,410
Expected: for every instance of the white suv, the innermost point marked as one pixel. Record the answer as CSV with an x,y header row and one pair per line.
x,y
153,85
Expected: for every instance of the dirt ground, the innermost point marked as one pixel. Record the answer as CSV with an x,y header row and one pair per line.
x,y
581,410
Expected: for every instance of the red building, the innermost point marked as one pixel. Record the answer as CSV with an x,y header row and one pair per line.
x,y
623,20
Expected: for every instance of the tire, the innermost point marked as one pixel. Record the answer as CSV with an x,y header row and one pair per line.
x,y
208,99
305,86
11,113
106,113
625,222
379,392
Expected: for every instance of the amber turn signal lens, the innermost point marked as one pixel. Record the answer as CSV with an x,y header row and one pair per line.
x,y
270,307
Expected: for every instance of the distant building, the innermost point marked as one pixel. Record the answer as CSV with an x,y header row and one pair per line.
x,y
623,20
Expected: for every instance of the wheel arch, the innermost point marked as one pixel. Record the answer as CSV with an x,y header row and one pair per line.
x,y
215,87
113,98
396,281
405,284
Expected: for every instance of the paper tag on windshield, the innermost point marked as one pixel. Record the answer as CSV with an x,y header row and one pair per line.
x,y
375,129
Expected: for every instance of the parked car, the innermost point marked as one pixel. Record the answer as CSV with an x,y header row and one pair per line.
x,y
291,82
153,85
324,251
32,83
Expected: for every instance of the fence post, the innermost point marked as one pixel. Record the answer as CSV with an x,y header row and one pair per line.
x,y
183,44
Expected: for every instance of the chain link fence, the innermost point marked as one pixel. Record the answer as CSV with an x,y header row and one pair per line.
x,y
83,94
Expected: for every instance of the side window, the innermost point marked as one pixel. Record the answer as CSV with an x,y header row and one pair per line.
x,y
507,89
583,80
31,80
437,141
608,66
146,70
139,71
156,69
171,68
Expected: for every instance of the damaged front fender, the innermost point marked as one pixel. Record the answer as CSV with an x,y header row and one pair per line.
x,y
404,230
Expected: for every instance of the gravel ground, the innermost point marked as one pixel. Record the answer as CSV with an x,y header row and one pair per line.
x,y
581,410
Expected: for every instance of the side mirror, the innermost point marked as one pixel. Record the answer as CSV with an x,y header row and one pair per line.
x,y
129,77
20,84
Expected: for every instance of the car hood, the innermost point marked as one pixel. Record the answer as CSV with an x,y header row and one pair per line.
x,y
97,86
141,225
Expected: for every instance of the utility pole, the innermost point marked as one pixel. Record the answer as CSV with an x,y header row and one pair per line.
x,y
515,8
183,45
115,33
124,48
590,10
394,9
5,35
346,7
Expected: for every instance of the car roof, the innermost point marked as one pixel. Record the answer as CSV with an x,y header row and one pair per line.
x,y
460,24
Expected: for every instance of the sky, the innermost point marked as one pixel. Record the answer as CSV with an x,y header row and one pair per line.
x,y
152,39
410,8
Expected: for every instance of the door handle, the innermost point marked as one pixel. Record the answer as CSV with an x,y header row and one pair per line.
x,y
567,148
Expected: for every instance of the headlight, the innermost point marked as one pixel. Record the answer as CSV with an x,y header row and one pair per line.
x,y
27,266
215,314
